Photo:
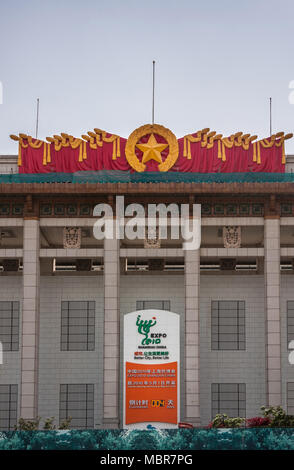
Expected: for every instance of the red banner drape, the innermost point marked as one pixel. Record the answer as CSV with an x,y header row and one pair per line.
x,y
222,155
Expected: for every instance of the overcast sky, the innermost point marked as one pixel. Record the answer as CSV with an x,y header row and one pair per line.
x,y
90,63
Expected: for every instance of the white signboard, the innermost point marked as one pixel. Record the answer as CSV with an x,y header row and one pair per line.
x,y
151,369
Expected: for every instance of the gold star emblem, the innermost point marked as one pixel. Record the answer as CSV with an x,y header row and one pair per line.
x,y
152,150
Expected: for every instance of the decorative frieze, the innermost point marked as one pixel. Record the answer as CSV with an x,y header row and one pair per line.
x,y
17,209
286,209
152,238
72,237
232,210
232,236
60,209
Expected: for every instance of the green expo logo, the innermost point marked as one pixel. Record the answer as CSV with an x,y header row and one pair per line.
x,y
144,329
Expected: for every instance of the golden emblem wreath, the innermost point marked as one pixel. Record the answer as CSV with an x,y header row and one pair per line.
x,y
137,134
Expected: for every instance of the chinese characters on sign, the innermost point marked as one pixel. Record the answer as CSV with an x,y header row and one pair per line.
x,y
153,391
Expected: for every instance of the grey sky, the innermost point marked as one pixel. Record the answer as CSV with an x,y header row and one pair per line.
x,y
90,63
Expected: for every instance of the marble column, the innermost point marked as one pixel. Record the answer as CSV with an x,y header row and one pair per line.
x,y
272,309
111,386
192,281
30,320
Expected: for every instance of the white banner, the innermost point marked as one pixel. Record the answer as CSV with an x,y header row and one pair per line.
x,y
151,369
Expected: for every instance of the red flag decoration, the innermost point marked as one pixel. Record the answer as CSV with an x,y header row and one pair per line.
x,y
152,148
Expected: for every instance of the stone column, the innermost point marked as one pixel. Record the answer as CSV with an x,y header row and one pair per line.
x,y
111,334
30,320
272,309
192,281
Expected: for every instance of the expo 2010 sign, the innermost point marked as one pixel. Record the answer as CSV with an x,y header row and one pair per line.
x,y
151,369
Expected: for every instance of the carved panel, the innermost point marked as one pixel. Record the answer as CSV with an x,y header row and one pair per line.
x,y
152,238
72,237
232,236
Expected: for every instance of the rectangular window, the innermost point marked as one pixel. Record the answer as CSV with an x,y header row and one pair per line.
x,y
290,321
8,406
228,325
78,326
77,402
150,304
290,398
229,399
9,325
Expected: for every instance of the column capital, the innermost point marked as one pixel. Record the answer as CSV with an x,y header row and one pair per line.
x,y
31,207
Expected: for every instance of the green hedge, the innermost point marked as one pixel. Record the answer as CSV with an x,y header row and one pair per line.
x,y
178,439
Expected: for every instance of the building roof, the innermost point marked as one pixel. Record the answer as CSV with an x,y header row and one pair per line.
x,y
123,182
115,176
